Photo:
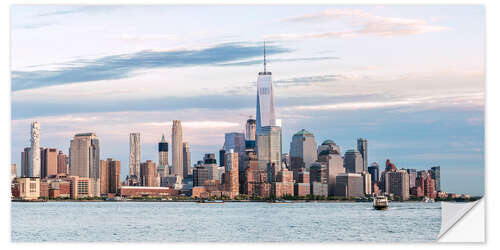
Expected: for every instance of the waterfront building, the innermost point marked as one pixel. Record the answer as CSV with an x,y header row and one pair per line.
x,y
250,130
335,165
29,188
363,150
35,163
349,185
397,183
269,148
265,101
26,170
186,160
163,157
283,186
80,187
148,174
114,168
135,154
373,169
85,159
62,163
200,175
302,185
104,177
353,161
302,150
48,160
44,189
139,191
231,173
177,157
256,184
429,187
436,175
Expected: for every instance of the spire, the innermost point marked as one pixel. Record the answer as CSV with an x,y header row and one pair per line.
x,y
162,137
264,56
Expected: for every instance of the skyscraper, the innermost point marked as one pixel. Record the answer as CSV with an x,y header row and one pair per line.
x,y
334,163
236,142
436,175
177,148
412,174
302,150
265,99
148,174
110,176
26,170
134,161
269,148
186,159
35,150
48,162
85,159
62,163
163,170
363,149
397,183
231,173
353,161
373,169
250,130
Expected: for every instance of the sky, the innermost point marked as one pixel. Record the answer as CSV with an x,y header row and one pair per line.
x,y
409,79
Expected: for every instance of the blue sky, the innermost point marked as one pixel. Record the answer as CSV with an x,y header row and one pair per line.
x,y
408,78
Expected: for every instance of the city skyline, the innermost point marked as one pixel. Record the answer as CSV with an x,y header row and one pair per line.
x,y
445,128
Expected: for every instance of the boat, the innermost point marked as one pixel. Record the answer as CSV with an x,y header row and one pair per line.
x,y
380,202
427,200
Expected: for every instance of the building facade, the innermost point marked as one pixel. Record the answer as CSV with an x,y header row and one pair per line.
x,y
85,159
373,169
26,170
269,148
349,185
398,183
353,161
48,162
436,175
163,156
303,150
148,174
186,160
250,128
35,162
62,163
363,149
177,158
134,158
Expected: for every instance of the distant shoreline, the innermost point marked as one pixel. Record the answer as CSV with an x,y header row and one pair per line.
x,y
199,201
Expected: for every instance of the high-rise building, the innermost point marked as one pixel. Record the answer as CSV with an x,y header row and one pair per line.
x,y
269,148
250,130
265,100
222,157
398,184
134,159
104,177
35,150
412,175
367,182
62,163
302,150
363,149
436,175
186,159
373,169
114,168
26,170
163,153
231,173
84,159
148,174
353,161
48,162
349,185
335,166
236,142
177,164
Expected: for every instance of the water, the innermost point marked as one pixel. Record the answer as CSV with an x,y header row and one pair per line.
x,y
228,222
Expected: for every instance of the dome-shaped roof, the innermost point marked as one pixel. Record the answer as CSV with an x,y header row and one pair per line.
x,y
328,142
303,132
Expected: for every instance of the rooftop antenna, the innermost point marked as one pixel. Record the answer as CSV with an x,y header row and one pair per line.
x,y
264,57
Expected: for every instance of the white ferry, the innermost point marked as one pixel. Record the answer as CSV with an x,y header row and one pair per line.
x,y
380,202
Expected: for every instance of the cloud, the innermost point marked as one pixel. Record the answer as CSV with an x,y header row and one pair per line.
x,y
361,24
305,80
259,61
125,65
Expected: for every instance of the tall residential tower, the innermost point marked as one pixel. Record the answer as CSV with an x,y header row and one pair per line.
x,y
35,150
177,148
135,154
